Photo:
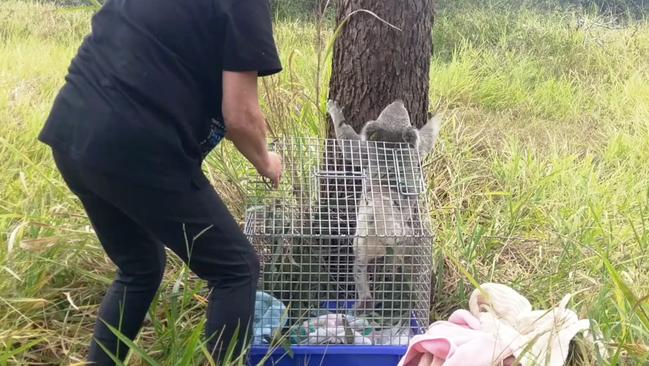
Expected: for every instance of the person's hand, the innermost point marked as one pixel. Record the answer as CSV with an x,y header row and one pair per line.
x,y
272,169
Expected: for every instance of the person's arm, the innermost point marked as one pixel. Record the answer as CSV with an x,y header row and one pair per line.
x,y
245,123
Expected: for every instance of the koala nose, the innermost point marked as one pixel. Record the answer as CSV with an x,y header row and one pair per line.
x,y
411,136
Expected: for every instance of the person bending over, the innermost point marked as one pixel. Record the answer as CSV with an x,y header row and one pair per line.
x,y
153,88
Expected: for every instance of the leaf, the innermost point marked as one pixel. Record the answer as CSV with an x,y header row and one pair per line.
x,y
13,236
69,298
133,347
97,277
175,289
39,244
202,232
229,353
6,355
110,354
626,291
202,300
191,346
37,167
34,303
12,273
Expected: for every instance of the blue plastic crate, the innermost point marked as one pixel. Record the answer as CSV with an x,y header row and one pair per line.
x,y
333,355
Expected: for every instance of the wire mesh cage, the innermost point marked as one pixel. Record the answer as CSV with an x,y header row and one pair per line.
x,y
345,244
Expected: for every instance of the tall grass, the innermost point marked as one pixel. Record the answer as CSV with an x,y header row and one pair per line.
x,y
540,181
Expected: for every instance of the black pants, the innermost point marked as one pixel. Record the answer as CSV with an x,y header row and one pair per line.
x,y
133,224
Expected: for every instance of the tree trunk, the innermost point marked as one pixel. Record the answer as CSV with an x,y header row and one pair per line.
x,y
374,64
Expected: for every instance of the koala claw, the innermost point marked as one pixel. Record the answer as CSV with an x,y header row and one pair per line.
x,y
336,112
364,304
332,105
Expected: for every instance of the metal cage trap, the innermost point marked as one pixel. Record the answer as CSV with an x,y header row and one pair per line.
x,y
345,244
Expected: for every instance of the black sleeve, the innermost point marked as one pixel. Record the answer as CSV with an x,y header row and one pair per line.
x,y
249,43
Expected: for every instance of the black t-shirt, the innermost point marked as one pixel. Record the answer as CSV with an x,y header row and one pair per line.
x,y
142,93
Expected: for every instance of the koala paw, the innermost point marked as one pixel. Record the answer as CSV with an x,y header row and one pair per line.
x,y
364,304
335,111
332,105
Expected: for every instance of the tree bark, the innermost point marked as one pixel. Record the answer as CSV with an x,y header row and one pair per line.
x,y
375,64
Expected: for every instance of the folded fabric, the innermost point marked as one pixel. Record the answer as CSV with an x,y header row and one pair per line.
x,y
268,319
335,329
457,342
500,329
346,329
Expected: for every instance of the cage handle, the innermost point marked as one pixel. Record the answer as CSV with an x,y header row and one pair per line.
x,y
337,174
403,185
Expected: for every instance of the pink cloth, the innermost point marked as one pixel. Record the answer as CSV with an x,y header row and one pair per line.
x,y
457,342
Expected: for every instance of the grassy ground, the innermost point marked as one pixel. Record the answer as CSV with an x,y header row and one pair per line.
x,y
541,180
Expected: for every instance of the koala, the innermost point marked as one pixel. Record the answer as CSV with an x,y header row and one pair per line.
x,y
392,125
386,216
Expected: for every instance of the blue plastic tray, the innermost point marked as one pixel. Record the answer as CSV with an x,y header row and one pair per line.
x,y
334,355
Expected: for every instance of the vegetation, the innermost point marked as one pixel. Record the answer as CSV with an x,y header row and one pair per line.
x,y
540,181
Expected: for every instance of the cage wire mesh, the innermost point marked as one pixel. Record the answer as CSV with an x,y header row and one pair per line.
x,y
345,244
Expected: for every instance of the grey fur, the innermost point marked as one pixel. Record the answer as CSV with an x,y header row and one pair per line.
x,y
343,130
392,125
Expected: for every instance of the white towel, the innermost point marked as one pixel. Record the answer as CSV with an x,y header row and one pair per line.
x,y
536,337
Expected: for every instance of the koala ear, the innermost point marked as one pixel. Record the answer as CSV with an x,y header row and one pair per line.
x,y
428,136
411,136
395,112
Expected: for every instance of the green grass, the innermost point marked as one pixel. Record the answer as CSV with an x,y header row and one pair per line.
x,y
540,181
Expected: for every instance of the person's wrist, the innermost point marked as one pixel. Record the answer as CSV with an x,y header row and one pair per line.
x,y
264,163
